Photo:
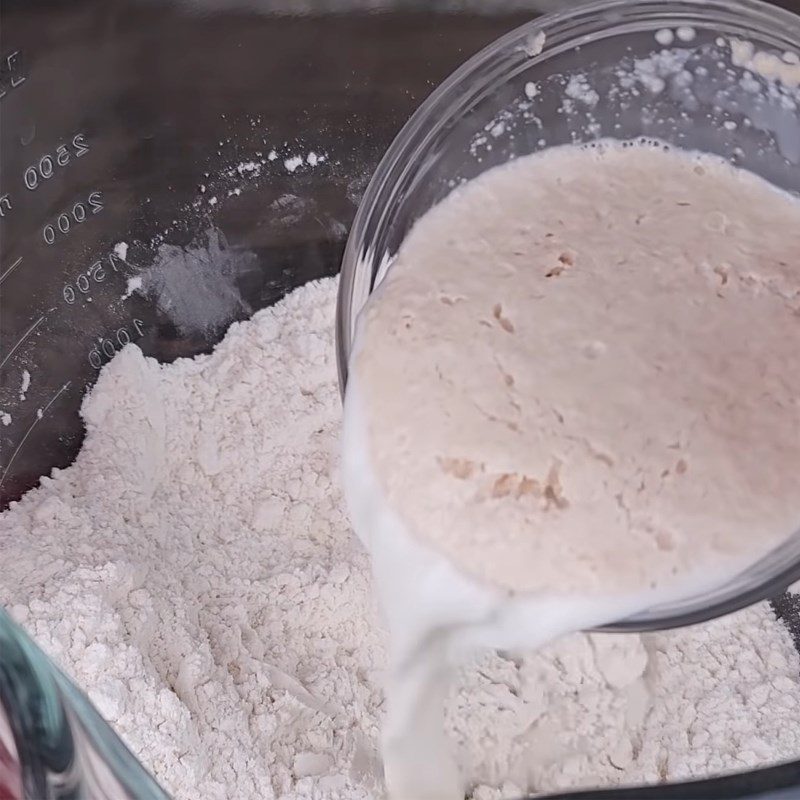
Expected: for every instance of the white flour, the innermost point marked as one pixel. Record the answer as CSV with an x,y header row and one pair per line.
x,y
195,573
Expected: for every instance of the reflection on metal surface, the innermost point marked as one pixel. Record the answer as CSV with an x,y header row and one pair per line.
x,y
22,339
10,269
39,415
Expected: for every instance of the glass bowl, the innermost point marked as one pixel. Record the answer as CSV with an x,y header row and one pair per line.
x,y
672,71
54,745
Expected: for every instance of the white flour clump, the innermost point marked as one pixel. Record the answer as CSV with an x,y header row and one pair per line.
x,y
195,573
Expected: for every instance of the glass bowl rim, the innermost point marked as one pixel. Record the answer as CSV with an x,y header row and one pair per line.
x,y
760,17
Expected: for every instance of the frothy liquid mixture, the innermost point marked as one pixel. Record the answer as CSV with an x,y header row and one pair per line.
x,y
575,395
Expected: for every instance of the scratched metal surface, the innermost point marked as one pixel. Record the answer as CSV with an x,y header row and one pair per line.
x,y
127,102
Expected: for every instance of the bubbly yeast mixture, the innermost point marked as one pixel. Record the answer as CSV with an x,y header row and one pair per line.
x,y
582,372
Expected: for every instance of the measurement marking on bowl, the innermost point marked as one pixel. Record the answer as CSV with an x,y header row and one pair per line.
x,y
10,269
39,415
44,169
108,348
96,273
63,222
13,67
24,337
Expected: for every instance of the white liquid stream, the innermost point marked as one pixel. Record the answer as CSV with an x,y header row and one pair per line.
x,y
437,617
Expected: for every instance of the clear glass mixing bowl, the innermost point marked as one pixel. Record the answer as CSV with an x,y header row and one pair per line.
x,y
53,743
613,68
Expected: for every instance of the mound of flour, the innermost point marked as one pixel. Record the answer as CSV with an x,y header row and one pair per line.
x,y
195,573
